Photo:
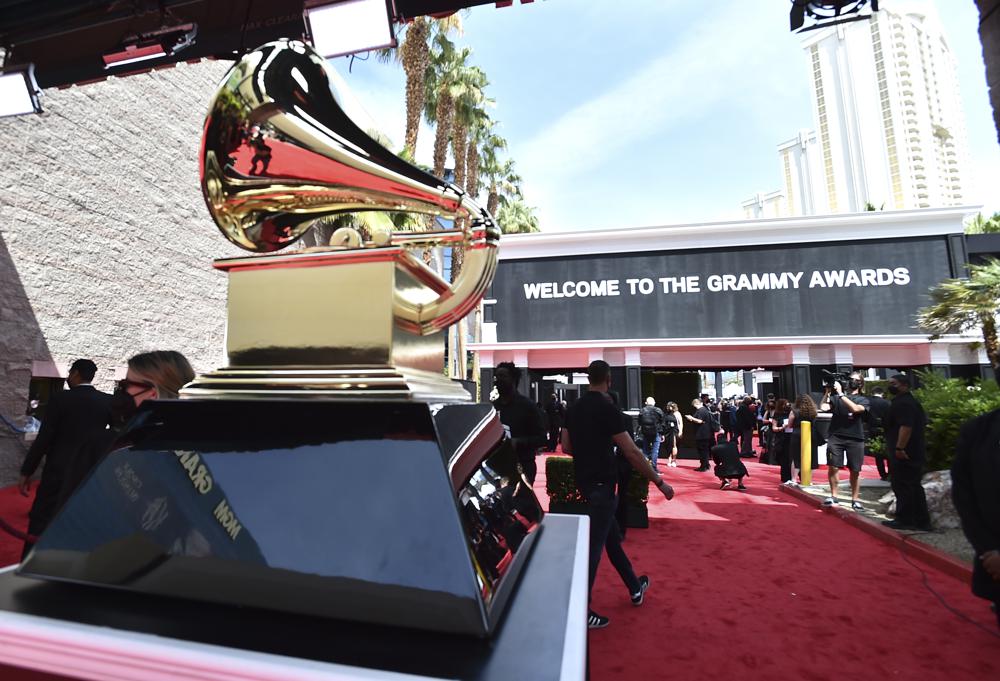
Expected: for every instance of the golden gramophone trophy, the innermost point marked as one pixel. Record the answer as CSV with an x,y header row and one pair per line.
x,y
330,468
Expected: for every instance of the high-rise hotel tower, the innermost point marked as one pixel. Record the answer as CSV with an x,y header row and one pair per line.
x,y
889,128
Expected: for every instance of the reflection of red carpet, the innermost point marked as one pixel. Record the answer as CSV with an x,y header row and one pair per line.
x,y
14,510
755,585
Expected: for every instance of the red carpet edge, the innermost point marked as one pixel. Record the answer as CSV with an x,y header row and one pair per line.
x,y
922,552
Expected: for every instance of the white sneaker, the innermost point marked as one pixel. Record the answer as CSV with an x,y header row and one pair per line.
x,y
673,464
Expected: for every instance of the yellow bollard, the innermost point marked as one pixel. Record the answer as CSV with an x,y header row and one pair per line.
x,y
805,457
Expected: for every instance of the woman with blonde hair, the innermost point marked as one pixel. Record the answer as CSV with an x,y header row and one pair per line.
x,y
156,375
804,409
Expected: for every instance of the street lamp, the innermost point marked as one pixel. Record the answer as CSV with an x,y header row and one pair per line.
x,y
349,26
19,93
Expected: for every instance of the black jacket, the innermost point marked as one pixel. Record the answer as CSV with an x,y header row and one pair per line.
x,y
975,479
745,418
72,418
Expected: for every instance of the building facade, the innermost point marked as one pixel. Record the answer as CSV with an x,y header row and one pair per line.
x,y
106,246
889,126
790,296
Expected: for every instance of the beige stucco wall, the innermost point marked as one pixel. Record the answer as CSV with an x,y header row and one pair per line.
x,y
105,242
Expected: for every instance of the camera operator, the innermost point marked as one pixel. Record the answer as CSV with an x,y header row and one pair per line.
x,y
845,445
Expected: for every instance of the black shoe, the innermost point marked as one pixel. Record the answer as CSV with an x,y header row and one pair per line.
x,y
742,487
898,525
595,621
885,478
724,485
924,528
643,585
701,469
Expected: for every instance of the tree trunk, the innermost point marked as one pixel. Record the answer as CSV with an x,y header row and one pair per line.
x,y
472,172
459,140
416,56
989,35
492,201
445,111
991,343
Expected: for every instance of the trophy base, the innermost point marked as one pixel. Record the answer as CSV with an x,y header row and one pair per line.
x,y
340,383
394,513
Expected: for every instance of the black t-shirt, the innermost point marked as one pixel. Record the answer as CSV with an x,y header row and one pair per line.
x,y
592,422
879,408
905,410
846,424
706,429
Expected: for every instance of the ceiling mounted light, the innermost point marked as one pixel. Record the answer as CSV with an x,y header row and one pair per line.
x,y
18,91
350,26
825,13
154,45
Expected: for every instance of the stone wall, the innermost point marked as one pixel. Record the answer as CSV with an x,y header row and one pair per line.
x,y
105,242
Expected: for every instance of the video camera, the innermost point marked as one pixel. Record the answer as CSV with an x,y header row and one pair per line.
x,y
832,377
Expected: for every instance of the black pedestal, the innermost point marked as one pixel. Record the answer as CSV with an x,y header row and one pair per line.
x,y
388,513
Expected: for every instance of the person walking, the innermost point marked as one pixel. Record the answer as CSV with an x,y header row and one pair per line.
x,y
555,412
652,425
704,435
904,426
71,419
845,444
593,427
873,428
745,419
673,433
521,416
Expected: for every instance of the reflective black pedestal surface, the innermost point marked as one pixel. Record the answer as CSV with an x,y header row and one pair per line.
x,y
391,513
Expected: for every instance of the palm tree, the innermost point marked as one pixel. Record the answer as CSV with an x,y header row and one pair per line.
x,y
503,182
959,305
414,55
980,224
517,217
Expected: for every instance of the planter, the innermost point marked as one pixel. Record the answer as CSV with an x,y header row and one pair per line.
x,y
636,515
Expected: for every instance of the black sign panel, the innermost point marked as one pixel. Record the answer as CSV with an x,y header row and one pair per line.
x,y
830,289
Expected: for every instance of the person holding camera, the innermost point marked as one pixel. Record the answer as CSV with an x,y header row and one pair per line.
x,y
845,444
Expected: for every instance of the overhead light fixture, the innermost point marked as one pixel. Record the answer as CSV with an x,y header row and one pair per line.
x,y
19,93
824,13
349,26
154,45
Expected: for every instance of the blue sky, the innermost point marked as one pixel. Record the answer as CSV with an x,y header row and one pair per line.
x,y
647,112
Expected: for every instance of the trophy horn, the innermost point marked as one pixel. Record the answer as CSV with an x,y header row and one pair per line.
x,y
279,152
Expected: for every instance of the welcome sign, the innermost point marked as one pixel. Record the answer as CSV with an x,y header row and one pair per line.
x,y
840,288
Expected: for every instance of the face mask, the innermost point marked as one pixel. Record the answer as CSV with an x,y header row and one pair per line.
x,y
122,408
893,389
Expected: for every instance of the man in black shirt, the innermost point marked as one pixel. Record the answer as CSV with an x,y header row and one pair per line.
x,y
904,441
845,444
556,413
593,427
878,408
521,416
704,435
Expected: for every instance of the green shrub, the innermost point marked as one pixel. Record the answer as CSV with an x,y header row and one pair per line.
x,y
950,402
560,484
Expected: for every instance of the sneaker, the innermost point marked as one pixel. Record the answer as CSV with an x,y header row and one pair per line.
x,y
724,485
742,487
829,501
643,585
673,464
857,505
595,621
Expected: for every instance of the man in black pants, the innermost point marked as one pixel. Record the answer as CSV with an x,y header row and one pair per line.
x,y
555,412
521,415
904,440
879,407
704,435
71,420
593,427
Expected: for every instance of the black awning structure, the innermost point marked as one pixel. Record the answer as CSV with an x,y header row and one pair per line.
x,y
68,40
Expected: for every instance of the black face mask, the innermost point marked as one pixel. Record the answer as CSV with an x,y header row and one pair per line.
x,y
893,389
122,408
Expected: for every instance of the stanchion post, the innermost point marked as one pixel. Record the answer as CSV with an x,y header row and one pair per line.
x,y
805,455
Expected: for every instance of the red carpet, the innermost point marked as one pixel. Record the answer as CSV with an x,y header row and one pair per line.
x,y
755,585
14,510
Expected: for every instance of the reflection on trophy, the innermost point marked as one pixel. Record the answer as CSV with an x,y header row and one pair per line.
x,y
330,469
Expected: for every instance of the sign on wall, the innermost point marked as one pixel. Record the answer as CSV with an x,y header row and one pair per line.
x,y
851,288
